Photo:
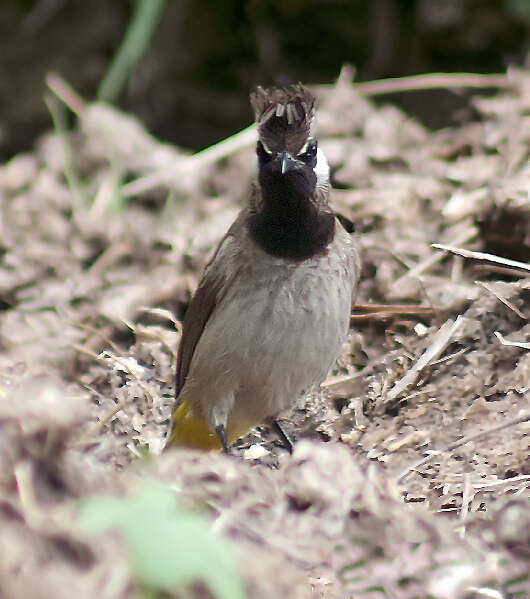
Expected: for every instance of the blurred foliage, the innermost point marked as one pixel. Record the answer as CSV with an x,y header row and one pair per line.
x,y
188,77
169,548
519,8
140,30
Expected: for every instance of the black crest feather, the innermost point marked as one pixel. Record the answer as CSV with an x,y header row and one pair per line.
x,y
284,116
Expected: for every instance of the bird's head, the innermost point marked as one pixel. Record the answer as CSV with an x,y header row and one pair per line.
x,y
290,163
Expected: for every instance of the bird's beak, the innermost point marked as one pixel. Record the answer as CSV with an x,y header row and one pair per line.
x,y
287,162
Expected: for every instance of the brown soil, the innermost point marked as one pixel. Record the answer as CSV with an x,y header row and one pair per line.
x,y
104,233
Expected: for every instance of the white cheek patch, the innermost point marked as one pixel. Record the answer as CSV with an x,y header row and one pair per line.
x,y
322,170
313,126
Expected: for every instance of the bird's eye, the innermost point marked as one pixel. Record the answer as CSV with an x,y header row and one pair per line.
x,y
263,155
310,155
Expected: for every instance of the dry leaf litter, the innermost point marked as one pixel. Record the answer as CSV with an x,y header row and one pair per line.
x,y
93,287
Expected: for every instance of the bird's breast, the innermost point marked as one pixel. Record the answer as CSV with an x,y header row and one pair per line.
x,y
276,330
283,325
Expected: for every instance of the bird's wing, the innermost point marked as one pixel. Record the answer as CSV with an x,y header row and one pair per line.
x,y
345,228
212,287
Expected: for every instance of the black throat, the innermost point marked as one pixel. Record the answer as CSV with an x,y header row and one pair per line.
x,y
289,224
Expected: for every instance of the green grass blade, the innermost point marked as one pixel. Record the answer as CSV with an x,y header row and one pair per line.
x,y
147,15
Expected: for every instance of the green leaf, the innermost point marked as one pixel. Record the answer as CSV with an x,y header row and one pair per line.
x,y
169,548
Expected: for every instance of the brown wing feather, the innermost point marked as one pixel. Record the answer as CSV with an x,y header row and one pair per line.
x,y
206,297
197,314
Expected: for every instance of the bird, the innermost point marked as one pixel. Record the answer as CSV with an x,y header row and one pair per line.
x,y
272,309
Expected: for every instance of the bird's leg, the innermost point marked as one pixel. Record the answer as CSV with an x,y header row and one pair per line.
x,y
221,433
286,439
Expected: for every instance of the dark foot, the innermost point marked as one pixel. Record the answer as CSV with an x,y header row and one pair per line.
x,y
221,433
286,439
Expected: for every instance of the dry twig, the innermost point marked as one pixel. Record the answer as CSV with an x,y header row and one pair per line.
x,y
383,311
87,437
482,256
440,341
66,93
507,342
431,81
502,299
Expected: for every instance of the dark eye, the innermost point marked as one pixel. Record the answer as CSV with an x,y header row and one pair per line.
x,y
310,155
263,155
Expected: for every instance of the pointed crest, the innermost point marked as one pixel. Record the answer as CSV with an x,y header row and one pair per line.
x,y
285,117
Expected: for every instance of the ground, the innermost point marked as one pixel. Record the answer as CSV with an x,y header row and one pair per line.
x,y
411,472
